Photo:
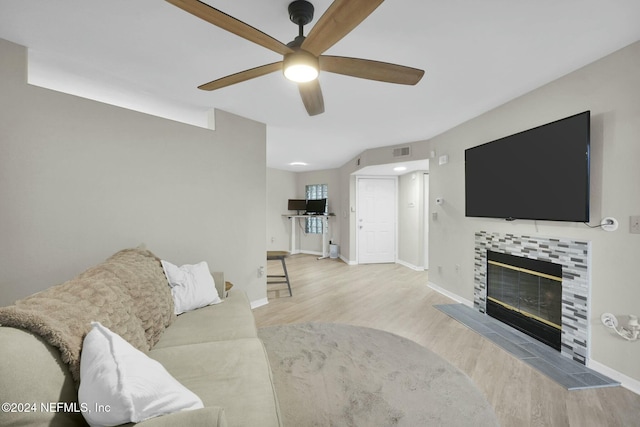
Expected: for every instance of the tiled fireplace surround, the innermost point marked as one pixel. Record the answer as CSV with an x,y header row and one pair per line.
x,y
574,257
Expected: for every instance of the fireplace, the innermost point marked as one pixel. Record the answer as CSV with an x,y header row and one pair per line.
x,y
572,255
527,295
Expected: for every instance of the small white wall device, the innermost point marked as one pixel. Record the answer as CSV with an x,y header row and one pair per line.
x,y
631,332
609,224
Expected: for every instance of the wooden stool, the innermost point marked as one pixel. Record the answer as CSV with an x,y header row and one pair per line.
x,y
281,255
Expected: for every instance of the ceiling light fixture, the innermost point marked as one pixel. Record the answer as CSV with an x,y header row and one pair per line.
x,y
300,66
298,164
400,168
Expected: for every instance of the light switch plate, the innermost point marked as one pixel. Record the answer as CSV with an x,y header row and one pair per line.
x,y
634,224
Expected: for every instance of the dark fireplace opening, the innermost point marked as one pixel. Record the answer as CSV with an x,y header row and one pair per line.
x,y
527,295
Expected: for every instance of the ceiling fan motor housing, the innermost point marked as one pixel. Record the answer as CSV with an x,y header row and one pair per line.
x,y
301,12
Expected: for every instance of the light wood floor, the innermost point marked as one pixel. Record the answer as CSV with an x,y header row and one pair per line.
x,y
396,299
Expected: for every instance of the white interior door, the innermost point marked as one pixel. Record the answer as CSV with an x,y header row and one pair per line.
x,y
376,220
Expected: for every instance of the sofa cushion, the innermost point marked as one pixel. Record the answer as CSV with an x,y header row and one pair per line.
x,y
131,386
232,374
213,416
230,320
32,371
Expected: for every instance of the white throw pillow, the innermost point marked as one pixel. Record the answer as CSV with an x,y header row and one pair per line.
x,y
121,384
192,286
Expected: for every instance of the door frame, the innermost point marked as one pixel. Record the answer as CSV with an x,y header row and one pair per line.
x,y
426,182
395,212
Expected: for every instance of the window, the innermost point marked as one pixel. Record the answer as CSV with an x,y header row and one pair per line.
x,y
315,192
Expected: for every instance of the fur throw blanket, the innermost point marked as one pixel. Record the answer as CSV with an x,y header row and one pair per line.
x,y
128,293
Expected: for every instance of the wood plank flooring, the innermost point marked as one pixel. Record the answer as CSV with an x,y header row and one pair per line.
x,y
396,299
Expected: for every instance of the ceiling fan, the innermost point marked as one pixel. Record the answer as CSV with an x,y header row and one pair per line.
x,y
303,57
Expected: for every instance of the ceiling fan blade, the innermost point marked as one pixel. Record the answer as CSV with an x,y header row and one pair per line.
x,y
231,24
372,70
339,19
312,97
242,76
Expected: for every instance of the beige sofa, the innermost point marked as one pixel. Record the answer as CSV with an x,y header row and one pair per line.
x,y
213,351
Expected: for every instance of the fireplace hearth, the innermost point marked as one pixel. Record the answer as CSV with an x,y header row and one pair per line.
x,y
527,295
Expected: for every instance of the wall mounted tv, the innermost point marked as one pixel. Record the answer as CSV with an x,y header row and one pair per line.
x,y
541,173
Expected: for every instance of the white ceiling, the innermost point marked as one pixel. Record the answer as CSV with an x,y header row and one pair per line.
x,y
149,55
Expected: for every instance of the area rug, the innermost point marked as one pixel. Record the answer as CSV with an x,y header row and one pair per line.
x,y
329,374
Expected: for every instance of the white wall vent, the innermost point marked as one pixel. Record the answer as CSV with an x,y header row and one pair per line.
x,y
402,151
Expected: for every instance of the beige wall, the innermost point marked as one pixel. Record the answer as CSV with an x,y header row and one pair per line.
x,y
80,180
610,88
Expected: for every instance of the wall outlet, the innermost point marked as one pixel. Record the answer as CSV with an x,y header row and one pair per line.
x,y
634,224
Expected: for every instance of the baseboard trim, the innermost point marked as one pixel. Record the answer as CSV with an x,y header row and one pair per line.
x,y
259,303
409,265
346,261
310,252
627,382
446,293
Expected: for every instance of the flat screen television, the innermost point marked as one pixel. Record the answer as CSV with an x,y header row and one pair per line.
x,y
541,173
316,207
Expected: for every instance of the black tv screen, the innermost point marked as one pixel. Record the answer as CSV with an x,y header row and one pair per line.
x,y
541,173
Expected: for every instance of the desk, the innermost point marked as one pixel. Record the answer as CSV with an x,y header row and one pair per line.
x,y
325,219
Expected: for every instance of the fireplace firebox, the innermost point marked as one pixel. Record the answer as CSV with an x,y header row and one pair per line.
x,y
527,295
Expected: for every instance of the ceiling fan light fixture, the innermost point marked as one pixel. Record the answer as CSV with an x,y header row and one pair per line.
x,y
300,67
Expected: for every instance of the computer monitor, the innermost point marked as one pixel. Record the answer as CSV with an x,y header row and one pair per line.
x,y
297,205
317,207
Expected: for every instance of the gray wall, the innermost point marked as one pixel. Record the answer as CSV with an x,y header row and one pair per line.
x,y
610,88
411,213
80,180
281,186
